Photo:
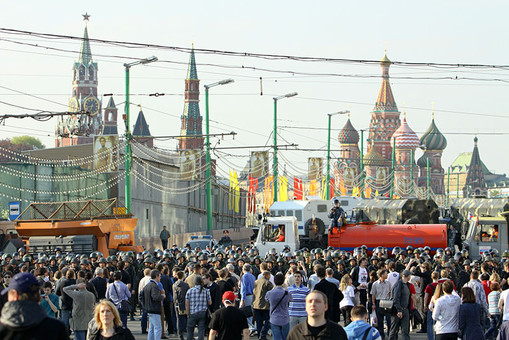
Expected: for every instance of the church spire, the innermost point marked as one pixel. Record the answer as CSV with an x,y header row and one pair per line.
x,y
191,120
85,51
191,69
475,184
385,100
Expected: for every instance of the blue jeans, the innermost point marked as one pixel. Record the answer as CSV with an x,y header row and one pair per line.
x,y
123,318
491,333
198,318
381,317
248,300
181,323
429,326
144,321
262,322
279,332
66,315
80,335
155,330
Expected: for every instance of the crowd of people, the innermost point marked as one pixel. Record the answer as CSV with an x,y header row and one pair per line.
x,y
233,292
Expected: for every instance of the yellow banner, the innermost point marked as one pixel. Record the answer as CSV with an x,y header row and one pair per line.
x,y
283,189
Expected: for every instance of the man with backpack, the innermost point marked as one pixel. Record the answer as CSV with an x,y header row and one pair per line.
x,y
359,328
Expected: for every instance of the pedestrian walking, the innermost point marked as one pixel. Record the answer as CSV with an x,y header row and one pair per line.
x,y
118,292
297,308
469,316
83,303
180,288
151,300
401,298
261,307
279,300
197,302
228,323
446,313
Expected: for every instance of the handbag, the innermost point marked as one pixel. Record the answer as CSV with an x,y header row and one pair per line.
x,y
124,306
387,307
282,297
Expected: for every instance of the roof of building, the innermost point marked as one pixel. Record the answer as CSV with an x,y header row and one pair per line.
x,y
422,162
475,176
433,139
385,100
191,69
373,158
462,163
405,137
348,134
111,104
141,126
85,51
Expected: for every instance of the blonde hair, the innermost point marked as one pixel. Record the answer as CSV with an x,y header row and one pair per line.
x,y
495,277
344,282
111,306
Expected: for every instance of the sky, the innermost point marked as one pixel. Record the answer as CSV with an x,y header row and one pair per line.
x,y
459,32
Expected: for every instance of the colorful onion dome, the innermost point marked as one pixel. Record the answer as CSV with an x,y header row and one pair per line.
x,y
373,158
385,60
422,161
348,134
405,137
433,139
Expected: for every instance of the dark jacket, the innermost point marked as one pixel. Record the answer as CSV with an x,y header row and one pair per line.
x,y
166,282
100,284
151,298
65,300
469,321
15,325
180,289
120,334
401,296
332,331
214,296
334,297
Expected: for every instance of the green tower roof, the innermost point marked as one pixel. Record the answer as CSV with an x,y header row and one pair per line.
x,y
85,51
191,70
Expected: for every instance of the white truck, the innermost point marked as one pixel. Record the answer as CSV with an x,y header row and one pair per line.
x,y
269,235
313,206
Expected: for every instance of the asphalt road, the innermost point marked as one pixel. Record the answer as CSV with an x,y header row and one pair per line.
x,y
135,327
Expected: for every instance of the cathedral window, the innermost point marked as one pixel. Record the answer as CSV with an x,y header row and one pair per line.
x,y
91,73
82,72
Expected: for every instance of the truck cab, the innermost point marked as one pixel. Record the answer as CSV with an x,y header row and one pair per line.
x,y
486,233
278,232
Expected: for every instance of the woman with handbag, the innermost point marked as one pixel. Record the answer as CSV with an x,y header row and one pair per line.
x,y
279,300
118,293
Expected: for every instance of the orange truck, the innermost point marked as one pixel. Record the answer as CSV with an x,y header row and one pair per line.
x,y
99,225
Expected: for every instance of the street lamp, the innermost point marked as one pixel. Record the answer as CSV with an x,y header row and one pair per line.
x,y
327,178
274,159
128,136
207,145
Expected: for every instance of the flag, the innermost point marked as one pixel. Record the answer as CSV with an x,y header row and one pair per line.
x,y
297,188
470,215
312,188
332,188
268,193
376,193
367,192
251,198
323,187
236,192
355,191
283,189
342,188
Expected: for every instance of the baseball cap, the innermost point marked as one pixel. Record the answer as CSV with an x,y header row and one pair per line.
x,y
230,296
21,282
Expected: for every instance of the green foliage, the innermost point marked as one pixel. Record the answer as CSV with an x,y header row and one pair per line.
x,y
29,141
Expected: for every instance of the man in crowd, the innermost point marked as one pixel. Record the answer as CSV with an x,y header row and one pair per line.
x,y
261,306
359,328
316,325
401,298
246,290
151,300
334,295
297,308
23,317
381,290
164,236
229,323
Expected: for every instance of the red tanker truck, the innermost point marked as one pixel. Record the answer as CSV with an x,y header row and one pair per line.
x,y
373,235
278,232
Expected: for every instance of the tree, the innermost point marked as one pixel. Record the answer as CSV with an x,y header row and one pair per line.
x,y
28,142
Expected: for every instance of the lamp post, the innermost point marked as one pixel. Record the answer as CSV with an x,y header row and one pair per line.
x,y
274,132
208,173
327,176
128,136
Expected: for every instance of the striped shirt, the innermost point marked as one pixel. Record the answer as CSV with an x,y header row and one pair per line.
x,y
493,298
298,301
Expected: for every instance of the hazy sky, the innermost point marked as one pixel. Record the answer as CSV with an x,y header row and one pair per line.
x,y
434,31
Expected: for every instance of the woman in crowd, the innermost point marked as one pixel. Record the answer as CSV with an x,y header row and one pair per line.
x,y
279,300
494,310
445,313
470,316
346,287
109,326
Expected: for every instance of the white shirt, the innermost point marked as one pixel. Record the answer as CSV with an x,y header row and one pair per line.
x,y
363,276
349,295
416,281
143,282
393,278
505,296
